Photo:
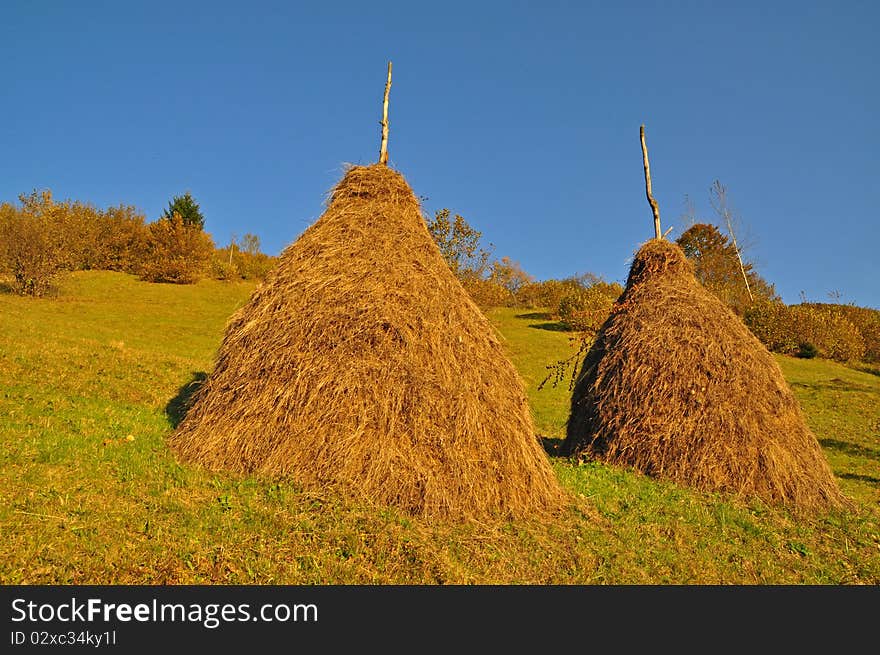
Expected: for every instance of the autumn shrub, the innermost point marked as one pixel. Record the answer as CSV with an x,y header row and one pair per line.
x,y
586,308
546,293
771,322
42,237
222,269
121,239
489,282
485,292
32,254
807,350
255,266
528,295
834,335
509,275
72,235
865,320
176,252
242,259
784,328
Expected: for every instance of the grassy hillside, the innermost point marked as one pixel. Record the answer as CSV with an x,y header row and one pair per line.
x,y
90,383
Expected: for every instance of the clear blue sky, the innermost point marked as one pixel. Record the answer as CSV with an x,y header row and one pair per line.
x,y
522,117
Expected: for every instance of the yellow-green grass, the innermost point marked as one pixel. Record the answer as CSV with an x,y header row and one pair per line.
x,y
90,385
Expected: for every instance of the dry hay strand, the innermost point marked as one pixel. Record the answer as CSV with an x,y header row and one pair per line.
x,y
361,364
677,387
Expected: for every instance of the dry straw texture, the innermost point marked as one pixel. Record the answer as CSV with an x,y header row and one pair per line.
x,y
362,364
677,387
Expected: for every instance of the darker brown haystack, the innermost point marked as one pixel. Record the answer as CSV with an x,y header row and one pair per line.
x,y
677,387
361,364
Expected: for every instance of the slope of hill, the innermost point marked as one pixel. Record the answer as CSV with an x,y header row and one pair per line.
x,y
92,381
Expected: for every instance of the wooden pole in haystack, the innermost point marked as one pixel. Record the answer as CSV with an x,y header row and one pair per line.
x,y
654,208
383,151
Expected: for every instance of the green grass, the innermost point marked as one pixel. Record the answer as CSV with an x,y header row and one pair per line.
x,y
89,492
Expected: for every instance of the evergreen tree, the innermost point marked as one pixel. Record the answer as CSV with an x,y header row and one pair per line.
x,y
188,209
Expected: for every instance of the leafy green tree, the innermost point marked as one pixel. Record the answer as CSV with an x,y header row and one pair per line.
x,y
187,208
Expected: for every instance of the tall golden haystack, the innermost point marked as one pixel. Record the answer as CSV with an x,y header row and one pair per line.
x,y
677,387
362,364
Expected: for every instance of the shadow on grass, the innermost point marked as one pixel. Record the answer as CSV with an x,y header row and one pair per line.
x,y
865,368
859,477
553,327
551,445
850,448
177,407
834,384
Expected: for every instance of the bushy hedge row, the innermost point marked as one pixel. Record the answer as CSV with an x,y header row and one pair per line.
x,y
547,293
839,332
866,321
175,252
486,292
586,308
42,238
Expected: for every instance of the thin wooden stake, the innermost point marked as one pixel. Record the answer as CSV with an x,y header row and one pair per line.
x,y
654,208
383,151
